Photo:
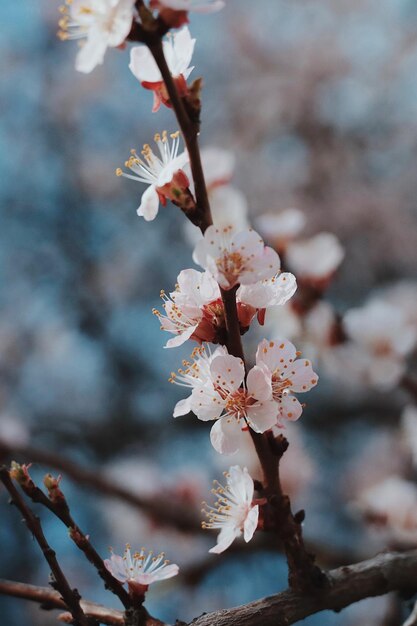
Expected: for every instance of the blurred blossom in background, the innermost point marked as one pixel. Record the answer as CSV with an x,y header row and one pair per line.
x,y
314,110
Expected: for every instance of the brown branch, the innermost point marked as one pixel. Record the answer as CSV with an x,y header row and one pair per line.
x,y
59,507
302,571
70,596
167,512
347,585
49,599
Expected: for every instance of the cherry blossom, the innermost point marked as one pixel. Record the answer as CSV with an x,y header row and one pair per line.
x,y
195,310
140,569
234,513
99,24
392,504
194,376
281,228
163,173
233,403
287,374
382,337
178,51
316,258
271,292
236,258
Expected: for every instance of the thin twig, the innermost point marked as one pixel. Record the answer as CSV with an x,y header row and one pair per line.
x,y
60,508
70,596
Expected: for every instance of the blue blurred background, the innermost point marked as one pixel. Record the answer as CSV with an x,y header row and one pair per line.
x,y
318,100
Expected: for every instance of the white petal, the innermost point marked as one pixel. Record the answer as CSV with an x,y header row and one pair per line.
x,y
225,538
224,435
277,355
183,407
149,204
262,416
302,376
251,523
143,65
227,372
290,408
259,383
92,52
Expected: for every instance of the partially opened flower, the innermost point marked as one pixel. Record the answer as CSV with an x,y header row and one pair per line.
x,y
224,396
274,291
315,259
140,569
163,173
287,375
236,258
178,51
234,513
195,310
98,24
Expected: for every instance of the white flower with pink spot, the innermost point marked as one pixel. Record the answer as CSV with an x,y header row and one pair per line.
x,y
222,394
98,24
287,375
140,569
163,173
234,513
178,51
236,258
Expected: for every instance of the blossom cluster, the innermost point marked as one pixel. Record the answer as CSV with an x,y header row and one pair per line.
x,y
236,267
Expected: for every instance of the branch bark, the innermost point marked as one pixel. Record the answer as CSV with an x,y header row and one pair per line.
x,y
347,585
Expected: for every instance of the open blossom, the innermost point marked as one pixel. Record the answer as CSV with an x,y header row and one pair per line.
x,y
287,375
163,173
274,291
316,258
178,50
236,258
195,310
140,569
194,376
99,24
234,512
383,337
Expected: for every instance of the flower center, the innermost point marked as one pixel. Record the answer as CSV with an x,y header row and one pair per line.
x,y
279,385
231,264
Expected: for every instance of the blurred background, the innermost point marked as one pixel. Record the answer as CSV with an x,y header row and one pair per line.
x,y
317,100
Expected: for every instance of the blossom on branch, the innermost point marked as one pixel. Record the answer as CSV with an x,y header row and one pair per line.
x,y
274,291
236,258
178,51
163,174
140,569
234,512
98,24
287,374
195,310
221,393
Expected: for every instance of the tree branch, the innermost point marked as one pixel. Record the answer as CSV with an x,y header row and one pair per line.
x,y
70,596
166,512
347,585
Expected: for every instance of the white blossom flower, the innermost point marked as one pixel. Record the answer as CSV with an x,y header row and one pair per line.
x,y
233,403
286,374
99,24
194,376
163,173
178,50
140,569
236,258
274,291
190,308
383,338
280,228
393,505
315,258
234,512
198,6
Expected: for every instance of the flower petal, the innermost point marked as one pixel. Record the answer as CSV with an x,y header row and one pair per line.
x,y
223,435
149,204
251,523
